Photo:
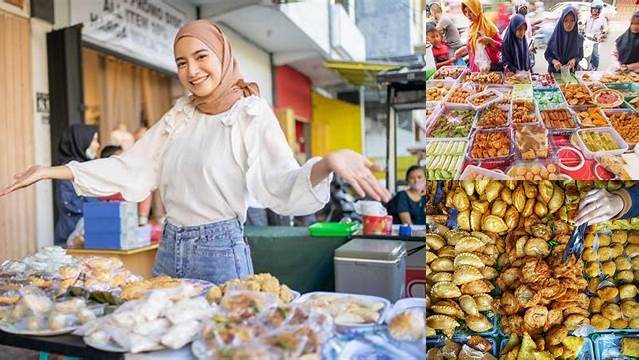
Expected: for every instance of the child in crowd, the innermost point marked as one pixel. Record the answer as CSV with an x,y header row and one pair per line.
x,y
441,52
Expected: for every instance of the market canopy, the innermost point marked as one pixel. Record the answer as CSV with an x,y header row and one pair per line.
x,y
359,73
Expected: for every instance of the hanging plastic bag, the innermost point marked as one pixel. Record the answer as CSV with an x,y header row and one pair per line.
x,y
481,58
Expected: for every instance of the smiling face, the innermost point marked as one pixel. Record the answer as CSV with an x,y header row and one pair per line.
x,y
569,22
198,68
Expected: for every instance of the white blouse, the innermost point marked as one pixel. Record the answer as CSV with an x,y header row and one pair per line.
x,y
206,166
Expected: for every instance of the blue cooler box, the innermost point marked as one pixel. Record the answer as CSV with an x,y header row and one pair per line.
x,y
111,225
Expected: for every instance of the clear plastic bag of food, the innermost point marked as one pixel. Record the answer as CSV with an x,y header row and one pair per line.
x,y
246,304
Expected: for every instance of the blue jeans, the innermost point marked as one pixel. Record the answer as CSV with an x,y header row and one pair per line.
x,y
594,60
214,252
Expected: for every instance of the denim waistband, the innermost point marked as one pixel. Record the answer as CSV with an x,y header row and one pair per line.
x,y
231,228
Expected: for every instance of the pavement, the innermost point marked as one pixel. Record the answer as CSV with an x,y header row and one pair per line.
x,y
615,28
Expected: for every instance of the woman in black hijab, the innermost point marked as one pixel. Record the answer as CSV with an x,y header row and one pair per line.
x,y
627,49
79,143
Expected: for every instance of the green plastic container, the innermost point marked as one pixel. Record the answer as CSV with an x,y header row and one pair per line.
x,y
333,229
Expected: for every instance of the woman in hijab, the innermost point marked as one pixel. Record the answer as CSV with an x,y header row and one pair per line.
x,y
481,31
514,50
565,46
626,53
207,155
79,143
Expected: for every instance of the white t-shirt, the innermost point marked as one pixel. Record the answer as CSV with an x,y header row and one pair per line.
x,y
206,166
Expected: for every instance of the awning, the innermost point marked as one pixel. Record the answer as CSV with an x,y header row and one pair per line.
x,y
359,73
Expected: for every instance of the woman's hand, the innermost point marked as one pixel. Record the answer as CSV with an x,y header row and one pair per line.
x,y
572,63
598,206
556,64
486,41
355,169
24,179
36,173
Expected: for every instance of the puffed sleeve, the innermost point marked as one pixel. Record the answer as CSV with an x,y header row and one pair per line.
x,y
134,173
273,176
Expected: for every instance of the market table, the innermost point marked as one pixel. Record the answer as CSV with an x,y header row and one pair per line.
x,y
139,260
69,345
302,262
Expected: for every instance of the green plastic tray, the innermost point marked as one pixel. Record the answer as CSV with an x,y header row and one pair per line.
x,y
333,229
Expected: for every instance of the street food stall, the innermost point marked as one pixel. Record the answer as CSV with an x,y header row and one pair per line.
x,y
522,280
532,126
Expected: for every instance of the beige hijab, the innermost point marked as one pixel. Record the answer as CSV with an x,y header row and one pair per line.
x,y
231,87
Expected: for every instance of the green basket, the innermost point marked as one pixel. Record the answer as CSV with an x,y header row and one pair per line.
x,y
333,229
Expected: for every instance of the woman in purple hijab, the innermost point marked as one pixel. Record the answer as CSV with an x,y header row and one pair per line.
x,y
514,49
565,46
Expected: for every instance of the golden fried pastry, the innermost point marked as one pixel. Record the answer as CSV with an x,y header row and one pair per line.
x,y
619,324
627,291
509,277
447,308
467,303
635,263
604,253
430,257
479,343
441,277
555,317
623,263
446,251
611,311
633,238
484,302
604,240
443,264
526,297
468,259
487,260
489,273
445,290
589,255
536,316
625,276
536,247
434,354
509,304
609,268
595,304
465,274
576,310
556,335
619,237
574,321
599,322
634,323
593,269
589,240
632,250
477,287
608,293
593,285
617,250
485,238
478,323
442,322
434,241
630,309
468,244
636,276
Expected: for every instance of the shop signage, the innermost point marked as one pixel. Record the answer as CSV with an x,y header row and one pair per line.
x,y
140,29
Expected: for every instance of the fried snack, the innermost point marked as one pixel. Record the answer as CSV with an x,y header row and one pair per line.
x,y
591,117
448,72
492,144
532,142
484,78
492,117
437,91
626,124
558,119
483,98
576,94
523,112
534,171
597,141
